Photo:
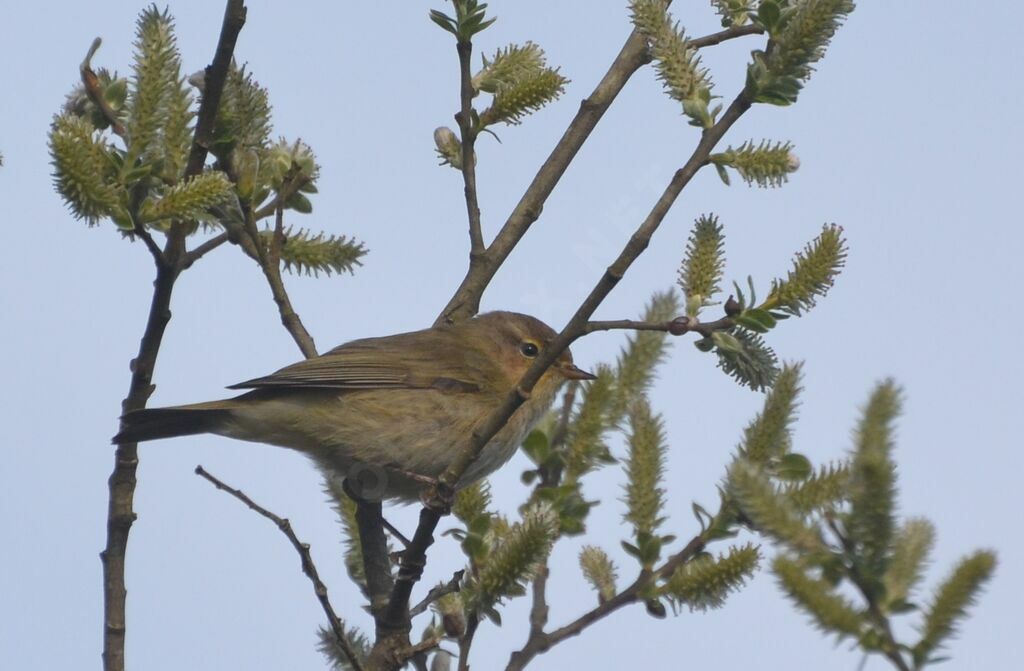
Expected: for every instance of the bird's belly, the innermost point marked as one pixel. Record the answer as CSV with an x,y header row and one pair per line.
x,y
383,435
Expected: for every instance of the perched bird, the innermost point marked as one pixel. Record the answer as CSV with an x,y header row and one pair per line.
x,y
389,412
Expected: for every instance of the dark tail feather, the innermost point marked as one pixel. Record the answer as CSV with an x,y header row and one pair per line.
x,y
154,423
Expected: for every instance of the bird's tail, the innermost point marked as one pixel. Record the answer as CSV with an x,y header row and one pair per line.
x,y
155,423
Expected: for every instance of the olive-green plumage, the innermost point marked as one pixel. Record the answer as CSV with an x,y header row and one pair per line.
x,y
383,410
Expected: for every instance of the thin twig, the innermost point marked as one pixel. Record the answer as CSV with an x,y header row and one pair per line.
x,y
468,141
147,239
540,642
270,263
289,188
438,591
204,249
539,608
393,530
677,327
213,85
122,481
308,567
633,55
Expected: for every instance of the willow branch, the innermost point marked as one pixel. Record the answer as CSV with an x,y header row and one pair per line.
x,y
204,249
270,263
468,136
437,501
438,591
540,642
122,481
214,77
677,327
308,567
577,325
633,55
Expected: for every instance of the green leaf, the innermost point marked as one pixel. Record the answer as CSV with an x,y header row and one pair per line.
x,y
800,34
792,466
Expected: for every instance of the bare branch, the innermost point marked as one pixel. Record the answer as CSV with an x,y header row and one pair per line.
x,y
436,592
215,76
270,262
120,513
468,137
308,567
677,327
204,249
466,301
540,642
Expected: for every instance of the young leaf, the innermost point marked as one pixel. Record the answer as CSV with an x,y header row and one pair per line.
x,y
777,74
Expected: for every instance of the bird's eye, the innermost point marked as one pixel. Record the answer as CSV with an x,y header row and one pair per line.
x,y
529,349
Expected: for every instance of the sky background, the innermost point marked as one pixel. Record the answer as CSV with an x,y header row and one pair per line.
x,y
908,135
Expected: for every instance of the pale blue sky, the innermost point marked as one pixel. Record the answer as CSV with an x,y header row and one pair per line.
x,y
909,137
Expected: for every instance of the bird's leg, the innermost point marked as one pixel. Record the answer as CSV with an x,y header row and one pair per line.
x,y
435,494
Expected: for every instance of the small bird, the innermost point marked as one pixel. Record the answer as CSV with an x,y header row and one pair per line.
x,y
389,412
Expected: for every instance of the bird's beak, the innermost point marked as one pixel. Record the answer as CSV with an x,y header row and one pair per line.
x,y
571,372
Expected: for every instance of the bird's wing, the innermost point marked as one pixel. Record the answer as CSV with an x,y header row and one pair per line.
x,y
375,363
